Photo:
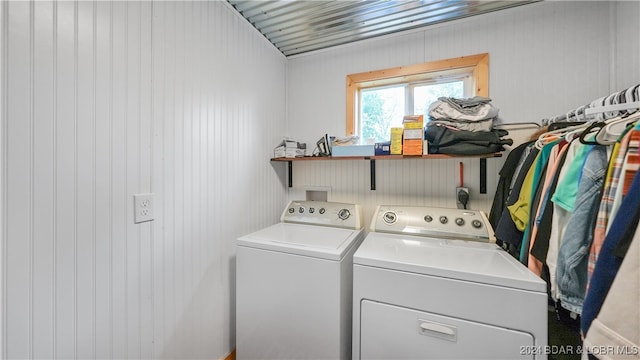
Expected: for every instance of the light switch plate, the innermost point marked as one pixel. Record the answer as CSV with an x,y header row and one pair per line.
x,y
143,207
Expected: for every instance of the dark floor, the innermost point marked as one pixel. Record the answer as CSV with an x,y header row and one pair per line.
x,y
564,336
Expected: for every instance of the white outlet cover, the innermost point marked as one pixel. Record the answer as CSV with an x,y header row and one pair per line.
x,y
142,207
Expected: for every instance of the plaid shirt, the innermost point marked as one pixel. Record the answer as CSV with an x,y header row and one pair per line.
x,y
606,203
632,160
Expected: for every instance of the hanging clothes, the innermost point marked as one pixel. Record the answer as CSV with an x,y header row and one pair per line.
x,y
541,226
505,182
522,209
573,214
519,210
567,190
573,254
622,230
606,202
543,212
506,230
617,325
629,169
559,220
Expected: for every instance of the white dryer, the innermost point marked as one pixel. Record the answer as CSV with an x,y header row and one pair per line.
x,y
429,283
294,284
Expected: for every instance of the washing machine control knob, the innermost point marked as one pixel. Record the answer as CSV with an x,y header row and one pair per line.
x,y
291,210
428,218
301,210
444,219
389,217
344,214
321,211
476,224
312,210
459,221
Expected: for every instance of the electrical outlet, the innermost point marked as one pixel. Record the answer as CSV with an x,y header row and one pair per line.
x,y
462,197
143,207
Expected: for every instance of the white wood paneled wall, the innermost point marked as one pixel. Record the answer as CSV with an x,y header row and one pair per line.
x,y
408,182
625,39
102,100
545,59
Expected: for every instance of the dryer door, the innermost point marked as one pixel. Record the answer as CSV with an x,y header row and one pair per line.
x,y
393,332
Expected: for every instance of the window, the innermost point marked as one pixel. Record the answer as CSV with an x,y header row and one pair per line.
x,y
377,100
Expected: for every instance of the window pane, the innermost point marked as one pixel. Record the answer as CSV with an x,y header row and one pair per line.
x,y
472,70
380,110
424,95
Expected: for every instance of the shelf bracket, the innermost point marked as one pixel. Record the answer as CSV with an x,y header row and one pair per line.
x,y
372,172
372,168
483,175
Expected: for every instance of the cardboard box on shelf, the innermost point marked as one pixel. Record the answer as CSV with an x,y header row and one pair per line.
x,y
290,149
410,134
413,122
412,147
383,148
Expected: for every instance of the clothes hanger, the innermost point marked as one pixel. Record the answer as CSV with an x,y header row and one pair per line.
x,y
614,128
605,118
612,99
556,134
593,105
609,133
608,101
592,126
633,95
569,136
581,116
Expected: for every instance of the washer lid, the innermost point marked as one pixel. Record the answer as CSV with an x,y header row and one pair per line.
x,y
457,259
309,240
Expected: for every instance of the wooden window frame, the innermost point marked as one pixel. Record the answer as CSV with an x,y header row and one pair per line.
x,y
478,65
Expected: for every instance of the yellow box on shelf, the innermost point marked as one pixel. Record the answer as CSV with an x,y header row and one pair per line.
x,y
413,122
396,141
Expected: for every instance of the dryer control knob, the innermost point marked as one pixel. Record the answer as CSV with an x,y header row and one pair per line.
x,y
444,220
389,217
291,210
312,210
428,218
344,214
459,221
321,211
476,224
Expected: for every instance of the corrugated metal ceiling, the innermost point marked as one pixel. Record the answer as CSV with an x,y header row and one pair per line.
x,y
299,26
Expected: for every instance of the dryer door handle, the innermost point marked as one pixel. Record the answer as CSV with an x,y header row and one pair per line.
x,y
443,331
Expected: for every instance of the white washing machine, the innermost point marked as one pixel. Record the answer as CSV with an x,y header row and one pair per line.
x,y
294,284
429,283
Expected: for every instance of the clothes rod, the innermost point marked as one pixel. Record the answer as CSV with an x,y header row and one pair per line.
x,y
614,107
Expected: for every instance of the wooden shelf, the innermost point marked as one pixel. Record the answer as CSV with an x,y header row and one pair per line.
x,y
388,157
372,163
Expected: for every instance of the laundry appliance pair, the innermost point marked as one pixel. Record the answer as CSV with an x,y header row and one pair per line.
x,y
424,283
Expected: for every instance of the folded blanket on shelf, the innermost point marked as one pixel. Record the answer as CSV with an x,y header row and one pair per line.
x,y
448,140
473,114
